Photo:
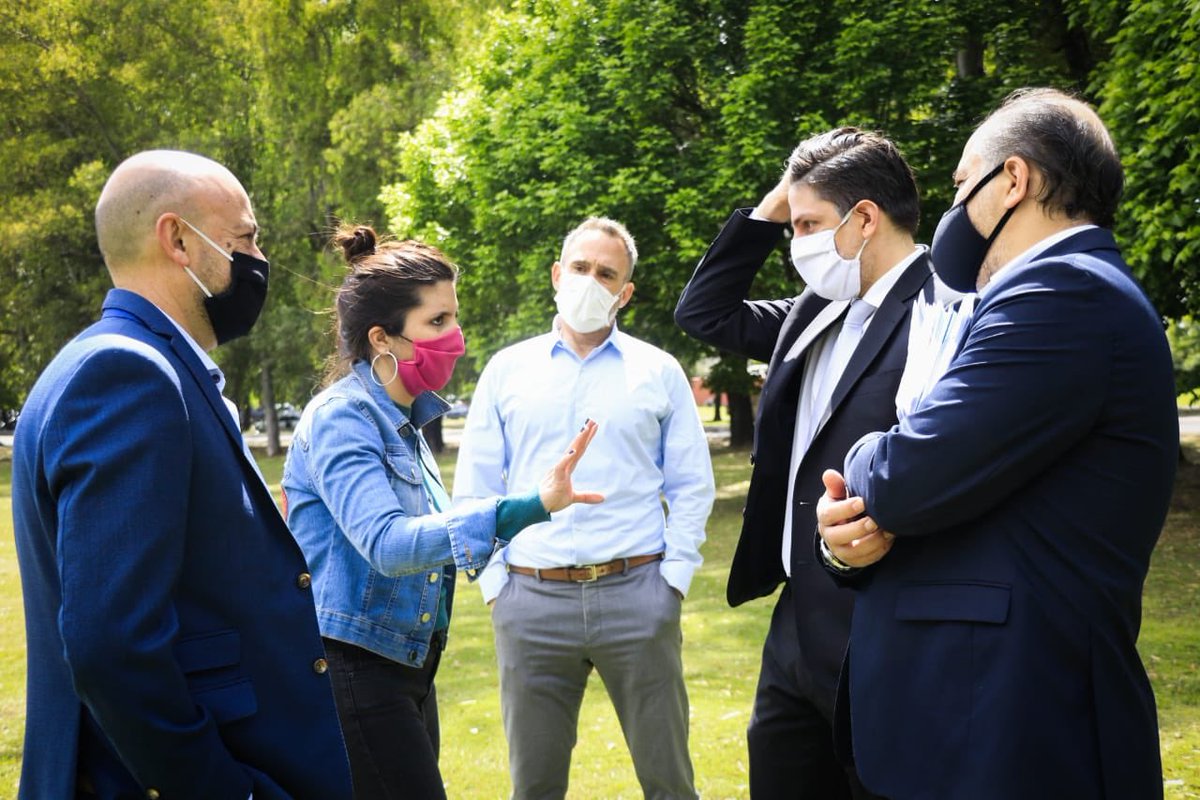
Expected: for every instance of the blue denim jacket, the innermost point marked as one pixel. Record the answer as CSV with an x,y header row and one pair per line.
x,y
357,504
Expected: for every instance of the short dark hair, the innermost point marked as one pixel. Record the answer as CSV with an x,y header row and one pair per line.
x,y
847,165
383,284
1081,171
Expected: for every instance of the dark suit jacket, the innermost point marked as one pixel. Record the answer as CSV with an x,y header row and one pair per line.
x,y
714,309
993,649
172,642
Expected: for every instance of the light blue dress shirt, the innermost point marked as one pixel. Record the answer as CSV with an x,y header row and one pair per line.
x,y
531,400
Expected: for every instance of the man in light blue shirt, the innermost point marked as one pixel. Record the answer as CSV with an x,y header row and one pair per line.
x,y
596,586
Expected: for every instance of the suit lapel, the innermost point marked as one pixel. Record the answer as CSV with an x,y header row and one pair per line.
x,y
817,324
890,315
148,314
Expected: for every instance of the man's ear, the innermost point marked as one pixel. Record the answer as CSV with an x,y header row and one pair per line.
x,y
168,231
555,274
870,215
624,295
1021,177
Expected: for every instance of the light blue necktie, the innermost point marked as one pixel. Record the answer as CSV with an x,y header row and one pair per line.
x,y
847,340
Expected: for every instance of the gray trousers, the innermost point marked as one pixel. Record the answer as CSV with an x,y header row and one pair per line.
x,y
550,634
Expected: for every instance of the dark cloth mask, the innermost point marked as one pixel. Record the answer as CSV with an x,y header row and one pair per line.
x,y
233,312
958,249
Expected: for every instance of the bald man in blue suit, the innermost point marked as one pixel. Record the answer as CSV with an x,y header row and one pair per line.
x,y
173,648
1011,517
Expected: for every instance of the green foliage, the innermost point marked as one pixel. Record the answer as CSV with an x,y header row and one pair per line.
x,y
1184,337
1149,90
668,115
302,100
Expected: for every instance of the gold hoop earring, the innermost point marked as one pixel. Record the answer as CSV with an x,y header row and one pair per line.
x,y
395,368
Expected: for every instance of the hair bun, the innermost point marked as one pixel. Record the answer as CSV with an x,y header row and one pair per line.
x,y
356,241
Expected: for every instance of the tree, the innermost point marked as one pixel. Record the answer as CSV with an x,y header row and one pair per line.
x,y
667,115
301,100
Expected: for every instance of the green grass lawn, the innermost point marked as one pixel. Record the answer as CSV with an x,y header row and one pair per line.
x,y
721,651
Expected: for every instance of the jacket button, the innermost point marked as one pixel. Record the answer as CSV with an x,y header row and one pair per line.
x,y
304,580
433,576
320,666
152,793
412,655
425,617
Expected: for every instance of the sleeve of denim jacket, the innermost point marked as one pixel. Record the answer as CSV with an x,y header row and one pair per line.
x,y
350,473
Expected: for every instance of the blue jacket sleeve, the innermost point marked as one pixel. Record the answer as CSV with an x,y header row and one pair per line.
x,y
117,451
347,462
1027,384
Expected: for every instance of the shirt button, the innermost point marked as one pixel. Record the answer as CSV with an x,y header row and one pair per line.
x,y
320,666
304,580
152,794
433,576
425,617
470,573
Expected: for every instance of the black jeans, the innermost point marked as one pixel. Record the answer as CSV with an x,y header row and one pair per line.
x,y
389,717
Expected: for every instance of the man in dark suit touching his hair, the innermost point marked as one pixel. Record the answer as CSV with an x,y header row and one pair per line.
x,y
836,354
992,653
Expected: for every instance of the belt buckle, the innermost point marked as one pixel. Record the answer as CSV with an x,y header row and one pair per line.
x,y
594,575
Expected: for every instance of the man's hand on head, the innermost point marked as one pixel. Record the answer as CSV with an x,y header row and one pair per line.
x,y
774,205
852,539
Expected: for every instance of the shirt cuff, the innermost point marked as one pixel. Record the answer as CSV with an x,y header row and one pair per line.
x,y
678,574
493,578
517,512
833,561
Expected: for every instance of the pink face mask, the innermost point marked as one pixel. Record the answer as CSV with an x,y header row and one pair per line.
x,y
432,363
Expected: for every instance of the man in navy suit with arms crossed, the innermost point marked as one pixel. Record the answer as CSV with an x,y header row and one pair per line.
x,y
1013,513
173,648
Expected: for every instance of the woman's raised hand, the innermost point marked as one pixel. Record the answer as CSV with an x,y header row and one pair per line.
x,y
557,491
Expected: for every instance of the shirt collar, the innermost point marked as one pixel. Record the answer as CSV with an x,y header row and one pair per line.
x,y
614,339
1035,251
214,371
880,288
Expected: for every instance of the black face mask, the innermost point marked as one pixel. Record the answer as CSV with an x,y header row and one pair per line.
x,y
957,249
233,312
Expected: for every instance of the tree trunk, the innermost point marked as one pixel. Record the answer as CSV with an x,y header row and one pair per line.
x,y
269,417
717,407
741,420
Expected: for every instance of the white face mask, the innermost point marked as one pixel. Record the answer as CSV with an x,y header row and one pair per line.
x,y
823,269
583,303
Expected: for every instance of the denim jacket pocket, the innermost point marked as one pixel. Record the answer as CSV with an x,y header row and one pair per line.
x,y
407,480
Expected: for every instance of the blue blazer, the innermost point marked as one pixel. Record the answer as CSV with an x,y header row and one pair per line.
x,y
992,652
172,637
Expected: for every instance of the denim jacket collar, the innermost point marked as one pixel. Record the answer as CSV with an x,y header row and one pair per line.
x,y
426,407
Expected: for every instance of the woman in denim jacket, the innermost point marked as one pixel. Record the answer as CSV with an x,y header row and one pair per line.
x,y
365,501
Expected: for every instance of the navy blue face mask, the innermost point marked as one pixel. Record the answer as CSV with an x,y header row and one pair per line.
x,y
958,249
234,311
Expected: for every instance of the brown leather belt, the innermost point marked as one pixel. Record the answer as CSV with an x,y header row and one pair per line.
x,y
588,572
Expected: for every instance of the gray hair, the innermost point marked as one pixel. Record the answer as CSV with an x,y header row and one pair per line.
x,y
607,226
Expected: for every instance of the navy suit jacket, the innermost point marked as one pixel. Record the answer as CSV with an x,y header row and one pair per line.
x,y
714,309
172,636
992,653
